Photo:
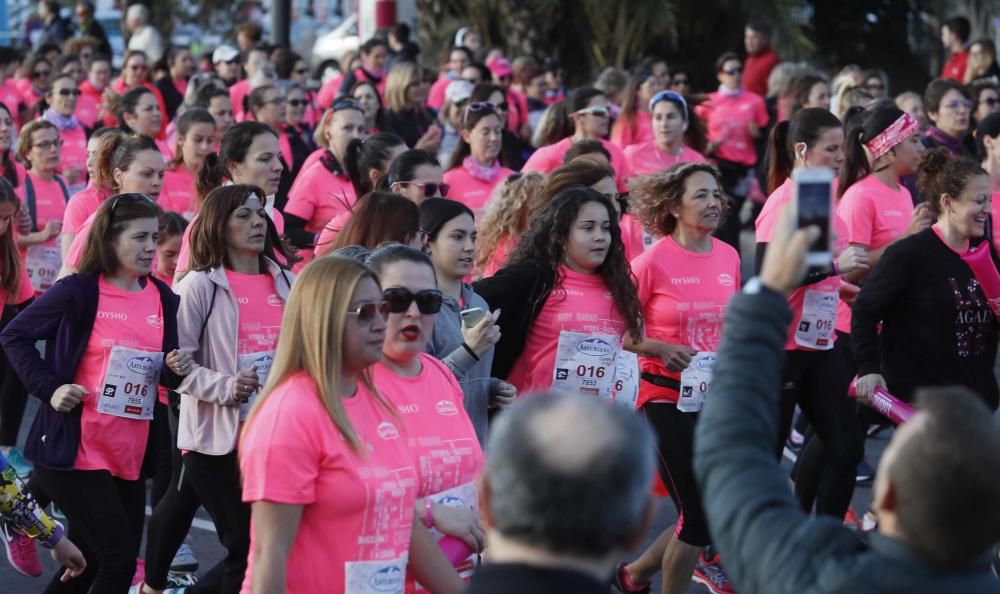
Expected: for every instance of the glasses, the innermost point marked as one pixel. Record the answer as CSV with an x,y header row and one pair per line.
x,y
476,107
601,112
48,144
345,103
68,92
301,71
399,299
954,105
366,313
733,71
990,101
233,62
430,188
41,74
297,102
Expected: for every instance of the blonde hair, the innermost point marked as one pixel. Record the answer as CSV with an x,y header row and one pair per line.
x,y
507,214
312,335
400,79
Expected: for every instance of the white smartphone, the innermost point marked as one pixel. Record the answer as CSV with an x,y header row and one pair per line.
x,y
472,316
813,205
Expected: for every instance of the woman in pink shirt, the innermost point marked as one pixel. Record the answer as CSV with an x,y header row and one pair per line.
x,y
367,159
324,190
816,372
232,300
136,166
195,141
84,204
168,246
326,469
10,169
988,145
60,104
669,122
139,112
506,218
635,123
567,299
431,407
111,332
590,114
45,195
135,74
474,170
684,283
91,109
459,57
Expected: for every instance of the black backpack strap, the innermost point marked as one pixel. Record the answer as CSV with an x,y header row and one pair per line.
x,y
29,201
211,306
65,188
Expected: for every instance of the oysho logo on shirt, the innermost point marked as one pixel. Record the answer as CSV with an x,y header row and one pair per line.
x,y
155,320
388,431
112,315
446,408
408,409
274,300
726,279
892,213
387,579
685,280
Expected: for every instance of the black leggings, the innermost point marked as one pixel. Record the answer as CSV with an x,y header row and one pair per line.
x,y
13,395
817,381
733,176
675,452
105,517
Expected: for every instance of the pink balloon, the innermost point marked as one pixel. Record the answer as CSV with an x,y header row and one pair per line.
x,y
980,260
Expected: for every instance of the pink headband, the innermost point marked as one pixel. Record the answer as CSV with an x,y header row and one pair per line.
x,y
900,130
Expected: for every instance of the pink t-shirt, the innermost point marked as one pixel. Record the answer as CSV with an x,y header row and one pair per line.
x,y
88,110
727,119
436,97
237,93
81,206
50,205
634,237
580,303
875,214
178,192
184,255
313,158
24,289
683,295
324,243
472,192
500,256
439,433
12,97
995,207
328,92
547,158
357,509
645,158
640,132
124,319
259,307
824,304
73,155
318,196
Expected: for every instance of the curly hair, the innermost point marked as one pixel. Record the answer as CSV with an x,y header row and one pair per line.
x,y
655,196
545,243
938,174
507,214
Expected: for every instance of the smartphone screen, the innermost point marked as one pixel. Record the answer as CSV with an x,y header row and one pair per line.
x,y
814,209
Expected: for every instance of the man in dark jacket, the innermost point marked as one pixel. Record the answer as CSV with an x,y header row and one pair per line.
x,y
87,25
566,492
936,491
55,29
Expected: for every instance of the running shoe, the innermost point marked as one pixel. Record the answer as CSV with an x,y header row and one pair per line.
x,y
140,572
17,461
624,584
58,513
21,551
709,573
792,451
852,519
184,560
865,471
137,589
180,579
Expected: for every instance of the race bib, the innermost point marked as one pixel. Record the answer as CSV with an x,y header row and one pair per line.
x,y
43,263
585,363
819,316
696,381
375,577
262,361
130,383
626,379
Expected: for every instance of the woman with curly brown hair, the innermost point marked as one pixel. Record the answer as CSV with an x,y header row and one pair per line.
x,y
567,298
684,283
506,218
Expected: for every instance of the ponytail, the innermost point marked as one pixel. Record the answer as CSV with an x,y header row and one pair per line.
x,y
363,155
779,161
856,165
211,175
938,173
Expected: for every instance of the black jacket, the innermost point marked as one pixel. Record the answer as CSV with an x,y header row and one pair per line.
x,y
95,30
172,98
520,291
769,545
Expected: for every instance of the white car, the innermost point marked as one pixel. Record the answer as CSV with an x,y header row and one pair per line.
x,y
329,49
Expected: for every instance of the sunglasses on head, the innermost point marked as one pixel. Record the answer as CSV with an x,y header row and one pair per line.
x,y
130,198
601,112
366,312
478,106
399,299
345,103
431,188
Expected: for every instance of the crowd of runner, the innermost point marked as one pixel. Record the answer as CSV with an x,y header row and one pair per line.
x,y
304,309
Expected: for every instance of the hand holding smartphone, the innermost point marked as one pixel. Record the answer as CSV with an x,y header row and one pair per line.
x,y
813,205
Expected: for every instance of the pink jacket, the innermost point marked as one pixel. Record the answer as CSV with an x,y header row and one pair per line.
x,y
210,414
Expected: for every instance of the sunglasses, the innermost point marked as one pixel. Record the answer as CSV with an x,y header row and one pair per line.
x,y
431,188
733,71
990,101
130,198
366,313
297,102
679,82
346,103
478,106
399,299
68,92
41,73
601,112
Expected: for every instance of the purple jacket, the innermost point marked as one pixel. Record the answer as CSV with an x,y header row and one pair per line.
x,y
63,317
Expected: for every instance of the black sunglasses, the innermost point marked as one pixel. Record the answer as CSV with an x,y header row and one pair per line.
x,y
431,188
399,299
66,92
297,102
990,101
366,313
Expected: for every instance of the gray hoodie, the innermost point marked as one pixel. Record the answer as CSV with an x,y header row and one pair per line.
x,y
473,376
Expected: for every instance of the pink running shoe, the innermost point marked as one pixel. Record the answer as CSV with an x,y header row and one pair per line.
x,y
709,573
21,551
